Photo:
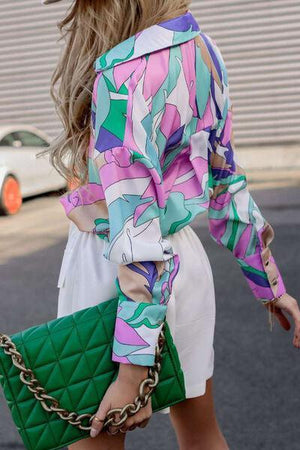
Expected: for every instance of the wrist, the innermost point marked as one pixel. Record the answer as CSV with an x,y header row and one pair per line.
x,y
132,372
274,300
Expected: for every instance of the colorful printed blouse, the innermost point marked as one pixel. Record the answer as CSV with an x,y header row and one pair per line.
x,y
161,152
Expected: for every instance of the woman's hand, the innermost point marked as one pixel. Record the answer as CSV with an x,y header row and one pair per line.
x,y
287,304
122,391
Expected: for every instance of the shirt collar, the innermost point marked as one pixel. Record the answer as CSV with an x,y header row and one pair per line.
x,y
162,35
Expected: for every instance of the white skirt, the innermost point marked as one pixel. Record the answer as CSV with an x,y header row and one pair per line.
x,y
86,278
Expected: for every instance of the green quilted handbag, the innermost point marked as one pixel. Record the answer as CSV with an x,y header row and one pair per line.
x,y
69,368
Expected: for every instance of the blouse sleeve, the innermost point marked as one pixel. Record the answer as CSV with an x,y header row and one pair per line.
x,y
235,220
129,172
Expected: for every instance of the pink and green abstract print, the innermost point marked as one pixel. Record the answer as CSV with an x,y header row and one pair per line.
x,y
161,153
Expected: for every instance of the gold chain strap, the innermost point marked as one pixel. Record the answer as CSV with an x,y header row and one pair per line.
x,y
51,404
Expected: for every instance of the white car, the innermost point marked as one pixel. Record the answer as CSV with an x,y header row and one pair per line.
x,y
22,174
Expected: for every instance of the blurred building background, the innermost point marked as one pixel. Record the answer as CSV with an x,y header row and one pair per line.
x,y
259,40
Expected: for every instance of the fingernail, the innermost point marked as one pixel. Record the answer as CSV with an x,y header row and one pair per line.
x,y
93,432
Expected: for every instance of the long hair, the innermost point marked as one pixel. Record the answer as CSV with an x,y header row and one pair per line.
x,y
90,28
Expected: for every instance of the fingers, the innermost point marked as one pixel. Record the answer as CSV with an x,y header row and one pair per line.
x,y
98,421
289,305
296,340
124,429
296,316
139,420
115,430
144,423
295,312
282,319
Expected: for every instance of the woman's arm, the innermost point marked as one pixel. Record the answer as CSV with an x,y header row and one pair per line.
x,y
147,265
127,166
235,220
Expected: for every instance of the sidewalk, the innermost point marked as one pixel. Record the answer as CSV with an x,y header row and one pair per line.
x,y
271,167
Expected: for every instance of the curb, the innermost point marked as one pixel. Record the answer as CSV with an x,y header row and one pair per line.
x,y
271,167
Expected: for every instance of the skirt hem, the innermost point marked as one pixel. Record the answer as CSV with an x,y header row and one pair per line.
x,y
196,390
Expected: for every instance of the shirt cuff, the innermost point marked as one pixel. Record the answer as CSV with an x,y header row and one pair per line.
x,y
137,329
263,275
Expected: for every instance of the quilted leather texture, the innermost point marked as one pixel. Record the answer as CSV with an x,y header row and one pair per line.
x,y
71,358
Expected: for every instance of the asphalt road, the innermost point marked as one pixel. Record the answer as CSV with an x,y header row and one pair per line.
x,y
256,377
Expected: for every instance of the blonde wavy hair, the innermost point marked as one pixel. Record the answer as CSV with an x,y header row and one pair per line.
x,y
90,28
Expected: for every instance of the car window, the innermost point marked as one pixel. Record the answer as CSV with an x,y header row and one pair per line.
x,y
8,140
31,140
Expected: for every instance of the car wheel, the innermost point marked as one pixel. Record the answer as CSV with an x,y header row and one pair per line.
x,y
11,197
72,184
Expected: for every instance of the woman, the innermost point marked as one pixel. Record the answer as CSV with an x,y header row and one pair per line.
x,y
147,117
